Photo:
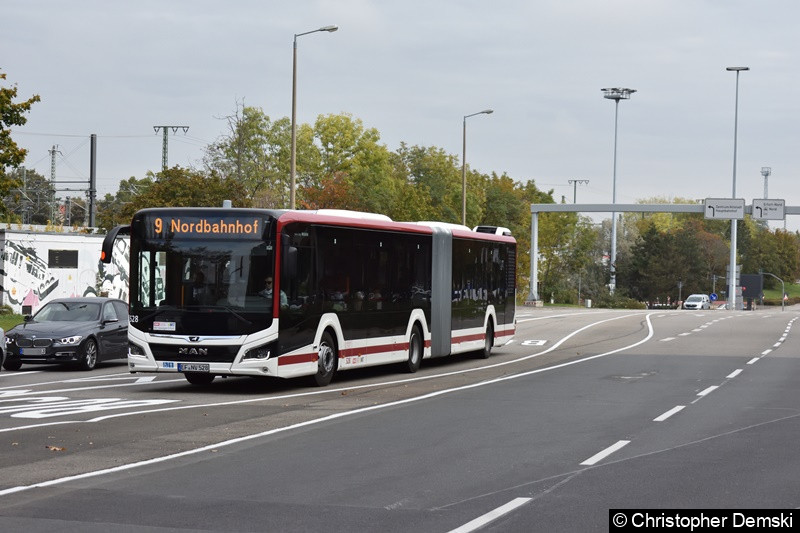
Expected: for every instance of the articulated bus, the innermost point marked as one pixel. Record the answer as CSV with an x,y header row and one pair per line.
x,y
286,293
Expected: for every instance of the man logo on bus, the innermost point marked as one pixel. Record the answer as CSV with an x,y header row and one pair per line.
x,y
192,351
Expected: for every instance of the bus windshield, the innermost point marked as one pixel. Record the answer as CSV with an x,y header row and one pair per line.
x,y
188,284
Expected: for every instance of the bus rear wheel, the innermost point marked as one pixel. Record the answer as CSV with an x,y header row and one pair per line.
x,y
414,350
327,361
487,344
199,378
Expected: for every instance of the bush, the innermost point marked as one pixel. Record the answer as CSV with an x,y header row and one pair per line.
x,y
6,310
777,301
618,301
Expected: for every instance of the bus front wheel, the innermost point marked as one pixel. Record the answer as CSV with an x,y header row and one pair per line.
x,y
327,361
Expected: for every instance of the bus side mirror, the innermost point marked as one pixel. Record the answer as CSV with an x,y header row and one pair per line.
x,y
108,243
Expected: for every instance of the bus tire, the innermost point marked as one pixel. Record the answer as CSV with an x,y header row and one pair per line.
x,y
414,350
487,344
327,361
199,378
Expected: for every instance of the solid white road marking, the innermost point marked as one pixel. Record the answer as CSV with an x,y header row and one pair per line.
x,y
605,453
491,516
19,374
96,387
323,419
669,413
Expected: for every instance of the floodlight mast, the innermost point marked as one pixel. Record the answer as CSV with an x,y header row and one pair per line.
x,y
616,94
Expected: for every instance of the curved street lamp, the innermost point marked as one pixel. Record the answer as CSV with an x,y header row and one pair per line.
x,y
464,165
294,109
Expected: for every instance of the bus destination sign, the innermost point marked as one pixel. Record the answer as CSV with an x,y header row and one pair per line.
x,y
207,227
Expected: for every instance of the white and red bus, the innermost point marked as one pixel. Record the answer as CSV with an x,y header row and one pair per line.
x,y
257,292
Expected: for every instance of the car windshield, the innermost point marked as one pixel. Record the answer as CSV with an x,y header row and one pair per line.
x,y
694,299
68,312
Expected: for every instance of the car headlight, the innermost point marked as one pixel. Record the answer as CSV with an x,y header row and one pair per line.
x,y
68,341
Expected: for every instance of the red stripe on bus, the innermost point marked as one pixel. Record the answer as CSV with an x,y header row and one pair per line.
x,y
467,338
298,358
505,333
369,350
372,350
350,352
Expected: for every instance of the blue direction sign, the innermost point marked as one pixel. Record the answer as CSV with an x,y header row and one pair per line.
x,y
713,296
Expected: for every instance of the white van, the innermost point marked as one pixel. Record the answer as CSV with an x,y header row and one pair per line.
x,y
697,301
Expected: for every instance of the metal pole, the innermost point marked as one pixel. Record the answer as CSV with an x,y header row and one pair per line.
x,y
294,125
732,274
464,174
89,215
464,165
616,94
766,171
533,294
613,284
293,157
574,184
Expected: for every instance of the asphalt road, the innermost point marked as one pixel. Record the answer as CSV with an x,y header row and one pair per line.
x,y
585,411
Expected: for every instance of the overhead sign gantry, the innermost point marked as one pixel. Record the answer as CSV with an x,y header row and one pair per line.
x,y
718,208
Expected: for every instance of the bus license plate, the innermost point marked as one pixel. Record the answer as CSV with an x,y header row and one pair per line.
x,y
193,367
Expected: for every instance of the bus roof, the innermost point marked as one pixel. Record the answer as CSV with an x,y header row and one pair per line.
x,y
357,219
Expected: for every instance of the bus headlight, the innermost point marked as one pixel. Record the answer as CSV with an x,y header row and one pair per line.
x,y
259,352
135,349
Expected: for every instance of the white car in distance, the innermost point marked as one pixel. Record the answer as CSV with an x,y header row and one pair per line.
x,y
697,301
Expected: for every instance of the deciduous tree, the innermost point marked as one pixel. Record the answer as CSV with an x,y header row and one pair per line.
x,y
11,156
181,187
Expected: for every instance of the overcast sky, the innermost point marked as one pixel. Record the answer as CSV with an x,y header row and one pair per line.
x,y
412,70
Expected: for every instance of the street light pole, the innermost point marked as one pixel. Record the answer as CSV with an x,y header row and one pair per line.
x,y
732,274
294,109
616,94
574,184
464,165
